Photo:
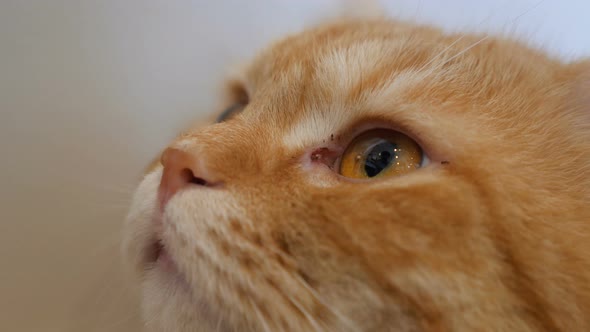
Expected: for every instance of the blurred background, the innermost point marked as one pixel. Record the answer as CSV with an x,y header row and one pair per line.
x,y
91,90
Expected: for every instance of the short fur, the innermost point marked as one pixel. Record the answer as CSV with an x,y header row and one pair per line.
x,y
493,235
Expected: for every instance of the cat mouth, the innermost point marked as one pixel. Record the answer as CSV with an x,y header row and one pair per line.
x,y
158,257
154,251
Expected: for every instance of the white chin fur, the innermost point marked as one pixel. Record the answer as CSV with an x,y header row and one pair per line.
x,y
167,304
139,227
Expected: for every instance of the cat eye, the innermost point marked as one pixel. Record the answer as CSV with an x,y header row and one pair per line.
x,y
236,91
230,112
379,153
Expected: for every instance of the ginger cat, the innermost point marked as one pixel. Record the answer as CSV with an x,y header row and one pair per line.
x,y
372,175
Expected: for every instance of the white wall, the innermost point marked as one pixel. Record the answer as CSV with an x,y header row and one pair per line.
x,y
90,90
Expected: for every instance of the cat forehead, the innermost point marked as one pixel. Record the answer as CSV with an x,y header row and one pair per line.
x,y
315,84
339,54
322,81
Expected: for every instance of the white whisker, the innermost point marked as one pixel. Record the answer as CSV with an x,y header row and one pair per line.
x,y
465,50
218,326
527,11
307,315
441,53
261,318
418,7
335,312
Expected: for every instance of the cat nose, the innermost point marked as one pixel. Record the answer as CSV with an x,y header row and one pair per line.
x,y
181,169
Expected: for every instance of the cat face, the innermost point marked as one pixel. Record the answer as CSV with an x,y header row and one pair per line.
x,y
294,214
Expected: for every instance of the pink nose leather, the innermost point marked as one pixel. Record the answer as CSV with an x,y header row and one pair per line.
x,y
181,169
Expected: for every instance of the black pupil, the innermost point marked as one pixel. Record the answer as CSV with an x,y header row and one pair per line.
x,y
379,158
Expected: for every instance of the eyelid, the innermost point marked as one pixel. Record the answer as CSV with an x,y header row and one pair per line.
x,y
357,128
351,132
350,135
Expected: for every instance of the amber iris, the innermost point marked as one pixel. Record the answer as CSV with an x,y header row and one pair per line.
x,y
379,153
